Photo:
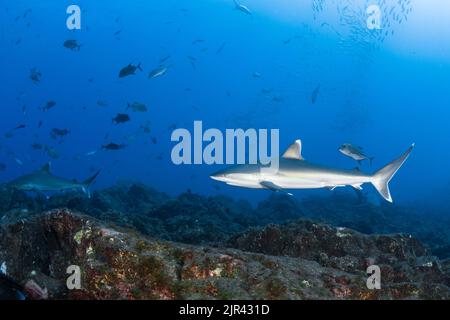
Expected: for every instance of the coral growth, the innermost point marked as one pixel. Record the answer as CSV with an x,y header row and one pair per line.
x,y
127,240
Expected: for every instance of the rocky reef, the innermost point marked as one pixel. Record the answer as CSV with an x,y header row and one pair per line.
x,y
133,242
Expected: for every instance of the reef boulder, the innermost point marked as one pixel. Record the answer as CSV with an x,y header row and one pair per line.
x,y
319,262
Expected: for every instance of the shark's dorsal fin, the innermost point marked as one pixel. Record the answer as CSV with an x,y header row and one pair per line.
x,y
46,168
294,151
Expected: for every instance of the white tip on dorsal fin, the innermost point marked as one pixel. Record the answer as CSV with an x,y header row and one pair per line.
x,y
294,151
46,168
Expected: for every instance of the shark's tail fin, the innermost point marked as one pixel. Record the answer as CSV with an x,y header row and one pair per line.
x,y
87,183
381,178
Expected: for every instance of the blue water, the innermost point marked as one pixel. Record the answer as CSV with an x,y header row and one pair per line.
x,y
379,94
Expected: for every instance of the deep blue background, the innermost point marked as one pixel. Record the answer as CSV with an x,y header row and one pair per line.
x,y
382,97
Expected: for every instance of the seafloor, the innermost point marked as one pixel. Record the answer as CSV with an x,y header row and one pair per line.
x,y
133,242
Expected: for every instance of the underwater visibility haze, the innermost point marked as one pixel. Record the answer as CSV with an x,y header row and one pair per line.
x,y
95,96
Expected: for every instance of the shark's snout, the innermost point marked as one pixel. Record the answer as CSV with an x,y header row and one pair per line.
x,y
218,177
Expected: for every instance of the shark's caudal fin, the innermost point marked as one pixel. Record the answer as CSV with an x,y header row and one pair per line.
x,y
87,183
381,178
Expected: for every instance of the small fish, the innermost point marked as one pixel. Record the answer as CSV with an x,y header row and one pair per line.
x,y
37,146
158,72
146,127
198,41
49,105
154,140
129,70
242,8
315,94
256,75
164,59
72,44
19,162
35,75
113,146
55,133
219,50
102,103
117,32
26,13
20,126
137,107
91,153
51,152
2,167
121,118
354,152
277,99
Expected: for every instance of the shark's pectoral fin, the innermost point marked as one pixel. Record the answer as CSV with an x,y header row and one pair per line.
x,y
273,187
270,185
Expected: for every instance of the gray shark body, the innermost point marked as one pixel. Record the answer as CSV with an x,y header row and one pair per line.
x,y
296,173
43,181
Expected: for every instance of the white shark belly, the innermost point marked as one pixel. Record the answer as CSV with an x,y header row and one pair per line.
x,y
319,180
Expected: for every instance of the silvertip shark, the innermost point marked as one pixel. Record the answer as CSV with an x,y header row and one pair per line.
x,y
295,172
42,181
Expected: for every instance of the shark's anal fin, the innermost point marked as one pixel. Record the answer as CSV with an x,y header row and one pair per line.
x,y
294,151
357,186
273,187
